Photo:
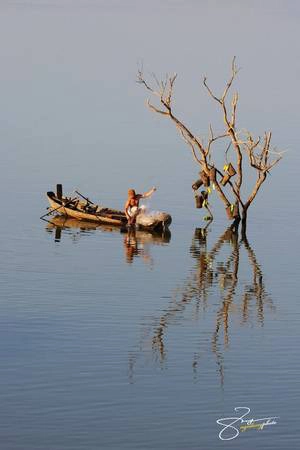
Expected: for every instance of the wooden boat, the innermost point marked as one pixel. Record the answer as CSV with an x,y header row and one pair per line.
x,y
88,211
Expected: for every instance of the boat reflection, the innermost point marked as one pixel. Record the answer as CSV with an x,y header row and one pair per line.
x,y
213,280
136,242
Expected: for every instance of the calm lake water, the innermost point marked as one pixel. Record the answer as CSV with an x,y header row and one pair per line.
x,y
116,341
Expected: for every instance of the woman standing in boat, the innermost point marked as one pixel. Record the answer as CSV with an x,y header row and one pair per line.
x,y
132,205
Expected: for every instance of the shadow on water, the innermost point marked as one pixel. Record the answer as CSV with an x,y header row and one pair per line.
x,y
214,286
136,243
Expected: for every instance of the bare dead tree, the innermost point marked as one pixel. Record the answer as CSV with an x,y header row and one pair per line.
x,y
247,149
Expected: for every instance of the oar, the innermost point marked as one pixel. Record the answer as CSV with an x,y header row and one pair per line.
x,y
85,198
56,209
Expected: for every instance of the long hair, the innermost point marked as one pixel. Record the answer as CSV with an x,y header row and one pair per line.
x,y
131,193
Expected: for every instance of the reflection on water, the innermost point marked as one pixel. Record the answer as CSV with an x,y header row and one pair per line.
x,y
135,242
72,227
226,282
215,285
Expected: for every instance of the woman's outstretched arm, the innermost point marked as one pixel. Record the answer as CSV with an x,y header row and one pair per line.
x,y
148,193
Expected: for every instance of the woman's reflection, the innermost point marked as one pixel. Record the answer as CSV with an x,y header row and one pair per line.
x,y
136,242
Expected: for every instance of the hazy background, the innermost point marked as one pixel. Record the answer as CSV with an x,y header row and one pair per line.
x,y
70,104
76,320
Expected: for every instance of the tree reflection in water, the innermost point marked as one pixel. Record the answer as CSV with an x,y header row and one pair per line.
x,y
214,279
217,266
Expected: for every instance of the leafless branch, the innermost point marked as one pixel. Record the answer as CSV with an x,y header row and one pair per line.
x,y
256,150
190,143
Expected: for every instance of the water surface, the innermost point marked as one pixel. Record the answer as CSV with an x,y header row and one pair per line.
x,y
132,341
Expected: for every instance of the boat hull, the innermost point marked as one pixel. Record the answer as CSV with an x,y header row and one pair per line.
x,y
105,215
81,215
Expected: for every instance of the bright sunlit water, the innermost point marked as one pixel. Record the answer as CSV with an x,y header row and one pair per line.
x,y
115,341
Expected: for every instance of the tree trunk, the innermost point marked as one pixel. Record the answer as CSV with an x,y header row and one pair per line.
x,y
244,223
235,224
